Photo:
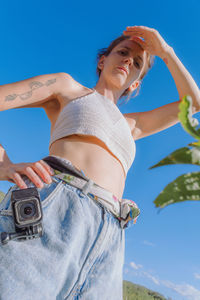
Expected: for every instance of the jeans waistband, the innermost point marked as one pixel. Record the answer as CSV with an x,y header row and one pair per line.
x,y
125,210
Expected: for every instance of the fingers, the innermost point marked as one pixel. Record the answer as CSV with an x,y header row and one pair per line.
x,y
17,179
37,173
31,173
140,28
141,31
43,171
139,41
143,36
47,167
134,33
28,171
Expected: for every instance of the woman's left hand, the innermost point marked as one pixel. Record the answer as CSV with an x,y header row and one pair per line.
x,y
149,39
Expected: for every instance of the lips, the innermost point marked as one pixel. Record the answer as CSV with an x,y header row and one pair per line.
x,y
124,69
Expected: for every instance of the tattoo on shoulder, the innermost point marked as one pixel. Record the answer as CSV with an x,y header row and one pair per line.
x,y
50,81
33,86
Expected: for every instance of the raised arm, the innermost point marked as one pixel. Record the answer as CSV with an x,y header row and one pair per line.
x,y
155,45
33,92
150,122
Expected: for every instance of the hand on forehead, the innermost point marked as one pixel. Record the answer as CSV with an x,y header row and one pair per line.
x,y
134,45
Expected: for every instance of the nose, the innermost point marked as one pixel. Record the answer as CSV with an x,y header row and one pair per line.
x,y
128,60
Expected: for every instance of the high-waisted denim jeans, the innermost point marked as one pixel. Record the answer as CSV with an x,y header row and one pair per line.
x,y
79,256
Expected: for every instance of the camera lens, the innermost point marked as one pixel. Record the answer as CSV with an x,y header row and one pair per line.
x,y
27,210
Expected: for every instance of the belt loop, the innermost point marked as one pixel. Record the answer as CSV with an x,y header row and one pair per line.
x,y
85,189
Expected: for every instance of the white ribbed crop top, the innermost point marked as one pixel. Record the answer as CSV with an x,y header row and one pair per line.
x,y
96,115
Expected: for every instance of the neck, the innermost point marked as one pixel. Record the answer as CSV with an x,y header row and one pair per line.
x,y
109,92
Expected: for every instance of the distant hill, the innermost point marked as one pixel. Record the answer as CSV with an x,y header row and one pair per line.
x,y
133,291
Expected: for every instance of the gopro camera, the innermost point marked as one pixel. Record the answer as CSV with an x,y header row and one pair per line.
x,y
27,214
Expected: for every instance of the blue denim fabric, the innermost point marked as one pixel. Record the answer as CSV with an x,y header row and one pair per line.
x,y
79,256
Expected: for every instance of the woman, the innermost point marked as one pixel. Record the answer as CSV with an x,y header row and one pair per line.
x,y
81,252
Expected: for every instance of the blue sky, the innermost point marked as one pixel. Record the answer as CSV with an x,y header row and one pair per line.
x,y
41,37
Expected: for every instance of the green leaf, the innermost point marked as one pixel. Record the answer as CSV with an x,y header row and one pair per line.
x,y
195,144
185,116
185,187
181,156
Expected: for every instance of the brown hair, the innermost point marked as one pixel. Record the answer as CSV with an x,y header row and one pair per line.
x,y
106,52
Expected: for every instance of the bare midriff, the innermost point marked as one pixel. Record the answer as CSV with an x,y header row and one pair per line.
x,y
91,155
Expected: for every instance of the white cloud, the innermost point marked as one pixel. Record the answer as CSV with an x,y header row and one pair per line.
x,y
135,266
143,273
154,279
197,276
186,290
148,243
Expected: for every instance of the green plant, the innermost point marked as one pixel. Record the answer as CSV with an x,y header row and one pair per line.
x,y
132,291
187,186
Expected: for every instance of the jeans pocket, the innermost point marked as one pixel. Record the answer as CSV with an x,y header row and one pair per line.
x,y
46,193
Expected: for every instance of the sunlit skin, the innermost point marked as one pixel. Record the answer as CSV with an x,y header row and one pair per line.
x,y
114,81
91,156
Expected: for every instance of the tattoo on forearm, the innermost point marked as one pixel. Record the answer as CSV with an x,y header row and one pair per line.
x,y
33,86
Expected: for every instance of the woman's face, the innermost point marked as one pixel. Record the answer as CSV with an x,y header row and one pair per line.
x,y
124,64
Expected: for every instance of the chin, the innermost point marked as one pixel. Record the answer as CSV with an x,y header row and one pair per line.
x,y
119,82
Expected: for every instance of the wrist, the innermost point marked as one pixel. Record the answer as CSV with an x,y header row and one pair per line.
x,y
4,159
167,53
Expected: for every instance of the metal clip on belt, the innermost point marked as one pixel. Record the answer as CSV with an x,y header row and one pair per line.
x,y
126,211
